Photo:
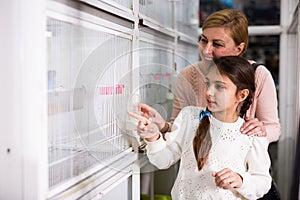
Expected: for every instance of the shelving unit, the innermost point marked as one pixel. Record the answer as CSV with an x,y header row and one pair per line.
x,y
103,56
72,70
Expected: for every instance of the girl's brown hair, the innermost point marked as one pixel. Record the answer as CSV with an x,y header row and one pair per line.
x,y
241,73
233,21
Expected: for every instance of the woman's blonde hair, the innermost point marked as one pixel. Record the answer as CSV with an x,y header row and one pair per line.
x,y
233,21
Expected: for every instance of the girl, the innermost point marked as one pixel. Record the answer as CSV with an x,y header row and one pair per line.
x,y
216,160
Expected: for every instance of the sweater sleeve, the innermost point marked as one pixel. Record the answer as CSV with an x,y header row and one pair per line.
x,y
267,105
164,153
257,180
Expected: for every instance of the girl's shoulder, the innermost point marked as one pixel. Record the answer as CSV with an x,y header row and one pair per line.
x,y
192,111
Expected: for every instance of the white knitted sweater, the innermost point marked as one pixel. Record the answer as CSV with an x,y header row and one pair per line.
x,y
246,155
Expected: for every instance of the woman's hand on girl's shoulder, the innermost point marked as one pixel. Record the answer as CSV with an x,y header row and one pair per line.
x,y
253,126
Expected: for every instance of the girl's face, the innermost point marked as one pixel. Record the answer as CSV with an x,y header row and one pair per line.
x,y
216,42
221,96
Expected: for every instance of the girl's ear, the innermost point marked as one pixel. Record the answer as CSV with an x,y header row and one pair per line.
x,y
242,95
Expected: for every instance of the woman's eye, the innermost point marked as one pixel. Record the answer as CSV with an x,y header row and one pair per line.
x,y
203,40
218,45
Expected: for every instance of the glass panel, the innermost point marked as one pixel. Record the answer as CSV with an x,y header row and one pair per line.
x,y
258,12
156,76
157,73
87,92
187,17
125,3
160,11
186,55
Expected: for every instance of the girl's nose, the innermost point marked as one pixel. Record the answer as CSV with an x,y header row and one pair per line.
x,y
210,91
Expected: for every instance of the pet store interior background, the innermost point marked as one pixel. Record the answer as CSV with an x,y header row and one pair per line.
x,y
70,71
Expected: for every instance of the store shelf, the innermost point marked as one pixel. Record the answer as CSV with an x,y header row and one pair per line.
x,y
114,8
99,179
60,100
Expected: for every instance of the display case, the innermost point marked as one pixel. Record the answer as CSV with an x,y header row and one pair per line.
x,y
89,84
103,58
77,68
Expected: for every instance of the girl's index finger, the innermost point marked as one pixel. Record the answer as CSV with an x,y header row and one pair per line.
x,y
144,120
144,107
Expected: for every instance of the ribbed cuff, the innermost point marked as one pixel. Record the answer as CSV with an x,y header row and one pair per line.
x,y
155,146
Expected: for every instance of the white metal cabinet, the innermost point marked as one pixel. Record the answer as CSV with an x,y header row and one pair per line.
x,y
74,67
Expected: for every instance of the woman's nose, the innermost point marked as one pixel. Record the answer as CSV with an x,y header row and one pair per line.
x,y
208,49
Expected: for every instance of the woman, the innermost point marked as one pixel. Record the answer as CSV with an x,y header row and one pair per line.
x,y
224,33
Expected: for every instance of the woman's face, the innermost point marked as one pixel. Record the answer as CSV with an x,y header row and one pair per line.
x,y
217,42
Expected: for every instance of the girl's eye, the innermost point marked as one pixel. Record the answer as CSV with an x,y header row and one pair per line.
x,y
207,83
219,87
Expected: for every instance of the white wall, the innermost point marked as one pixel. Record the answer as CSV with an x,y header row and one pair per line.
x,y
23,111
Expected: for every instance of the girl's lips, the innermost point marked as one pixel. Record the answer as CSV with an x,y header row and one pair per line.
x,y
210,102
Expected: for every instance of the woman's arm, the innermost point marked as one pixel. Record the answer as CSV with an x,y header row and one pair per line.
x,y
184,94
267,106
189,89
263,119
